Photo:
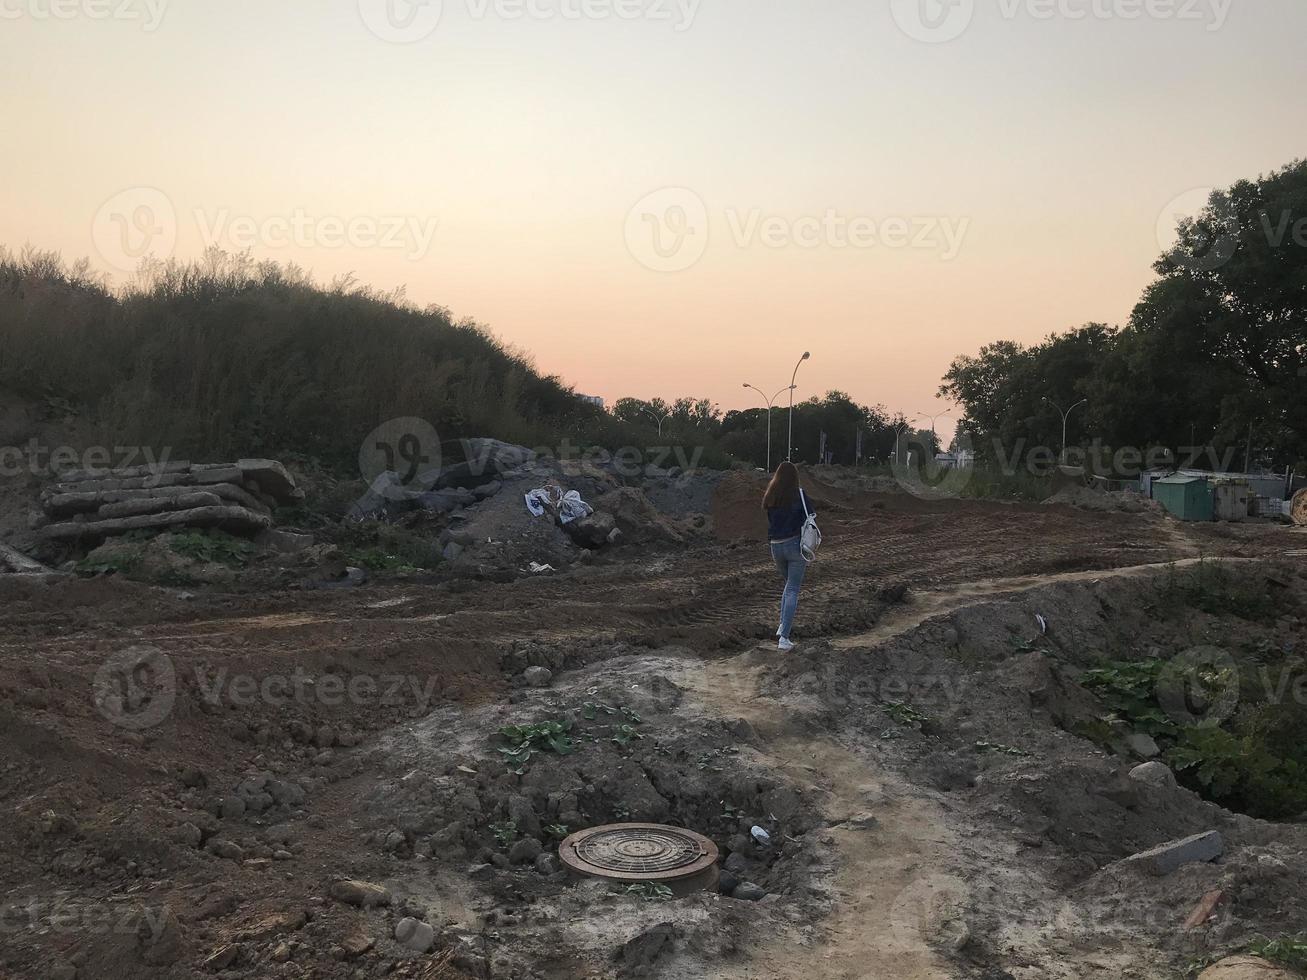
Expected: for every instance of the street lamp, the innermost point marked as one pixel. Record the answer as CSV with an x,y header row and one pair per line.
x,y
933,420
1065,415
789,451
660,419
769,402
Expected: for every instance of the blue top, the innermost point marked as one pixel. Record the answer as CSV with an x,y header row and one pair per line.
x,y
784,523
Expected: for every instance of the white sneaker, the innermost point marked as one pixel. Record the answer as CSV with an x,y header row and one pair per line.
x,y
784,645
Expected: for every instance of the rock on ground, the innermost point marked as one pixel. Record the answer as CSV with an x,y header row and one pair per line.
x,y
1247,968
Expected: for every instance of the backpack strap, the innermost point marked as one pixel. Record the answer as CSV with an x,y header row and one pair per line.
x,y
804,500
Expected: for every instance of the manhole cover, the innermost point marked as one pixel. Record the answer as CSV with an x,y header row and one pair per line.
x,y
634,852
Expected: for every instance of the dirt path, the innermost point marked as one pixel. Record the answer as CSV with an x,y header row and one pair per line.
x,y
878,863
895,873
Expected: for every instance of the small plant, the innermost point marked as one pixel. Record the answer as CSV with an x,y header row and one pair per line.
x,y
212,547
526,740
504,832
557,831
1129,689
649,891
1000,749
904,714
120,562
1290,951
625,735
378,559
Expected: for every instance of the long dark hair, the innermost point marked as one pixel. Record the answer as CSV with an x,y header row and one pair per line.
x,y
783,491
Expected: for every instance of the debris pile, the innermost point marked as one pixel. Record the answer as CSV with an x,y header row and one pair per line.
x,y
1092,498
1298,509
235,497
13,560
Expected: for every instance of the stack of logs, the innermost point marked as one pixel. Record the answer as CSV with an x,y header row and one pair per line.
x,y
235,497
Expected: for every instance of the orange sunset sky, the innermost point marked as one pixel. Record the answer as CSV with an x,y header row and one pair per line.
x,y
660,197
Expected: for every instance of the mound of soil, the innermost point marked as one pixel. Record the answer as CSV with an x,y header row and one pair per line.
x,y
1088,498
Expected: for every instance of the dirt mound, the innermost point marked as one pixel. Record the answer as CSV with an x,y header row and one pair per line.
x,y
686,495
1089,498
638,519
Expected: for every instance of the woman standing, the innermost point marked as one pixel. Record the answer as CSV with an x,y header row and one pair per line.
x,y
786,514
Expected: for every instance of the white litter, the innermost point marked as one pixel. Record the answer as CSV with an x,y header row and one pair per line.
x,y
535,568
568,505
761,836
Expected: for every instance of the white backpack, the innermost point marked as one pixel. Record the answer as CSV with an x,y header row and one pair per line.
x,y
810,536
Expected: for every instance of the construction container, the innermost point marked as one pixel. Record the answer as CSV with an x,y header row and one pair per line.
x,y
1187,497
1232,501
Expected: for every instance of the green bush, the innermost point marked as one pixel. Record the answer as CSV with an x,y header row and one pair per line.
x,y
227,357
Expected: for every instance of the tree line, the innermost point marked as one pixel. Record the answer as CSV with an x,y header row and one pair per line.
x,y
1211,366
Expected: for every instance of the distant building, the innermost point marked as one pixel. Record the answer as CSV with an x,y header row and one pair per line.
x,y
964,460
594,400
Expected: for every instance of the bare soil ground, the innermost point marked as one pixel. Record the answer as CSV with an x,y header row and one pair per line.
x,y
185,776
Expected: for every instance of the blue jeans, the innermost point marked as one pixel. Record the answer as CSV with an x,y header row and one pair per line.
x,y
790,563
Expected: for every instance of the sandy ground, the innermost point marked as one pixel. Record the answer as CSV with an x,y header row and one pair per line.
x,y
119,762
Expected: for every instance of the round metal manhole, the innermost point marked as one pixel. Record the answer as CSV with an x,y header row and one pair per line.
x,y
636,852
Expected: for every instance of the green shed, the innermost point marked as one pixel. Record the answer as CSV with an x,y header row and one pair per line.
x,y
1187,497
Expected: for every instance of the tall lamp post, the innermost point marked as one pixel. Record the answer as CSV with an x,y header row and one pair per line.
x,y
660,419
789,445
934,419
769,402
1065,415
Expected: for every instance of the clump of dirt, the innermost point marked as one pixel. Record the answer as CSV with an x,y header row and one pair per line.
x,y
1090,498
991,712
